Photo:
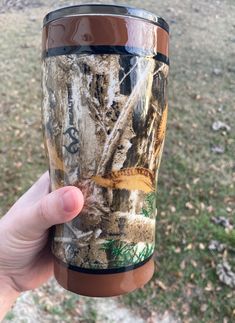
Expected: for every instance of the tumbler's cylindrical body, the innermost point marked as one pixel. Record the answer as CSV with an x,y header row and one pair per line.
x,y
104,116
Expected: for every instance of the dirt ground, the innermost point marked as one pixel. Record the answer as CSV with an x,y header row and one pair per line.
x,y
196,182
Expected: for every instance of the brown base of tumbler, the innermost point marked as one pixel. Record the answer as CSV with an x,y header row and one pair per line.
x,y
103,285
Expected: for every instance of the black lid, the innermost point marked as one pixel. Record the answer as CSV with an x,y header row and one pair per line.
x,y
105,9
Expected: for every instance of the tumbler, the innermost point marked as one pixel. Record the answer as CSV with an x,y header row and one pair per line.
x,y
104,115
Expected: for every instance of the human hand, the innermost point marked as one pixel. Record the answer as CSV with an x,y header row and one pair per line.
x,y
25,256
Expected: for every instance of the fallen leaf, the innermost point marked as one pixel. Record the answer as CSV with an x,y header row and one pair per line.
x,y
217,71
196,180
185,309
223,221
161,285
196,96
189,205
215,245
202,246
209,287
225,254
218,149
225,274
229,199
18,164
202,206
189,247
203,307
194,264
218,125
172,208
210,208
182,265
179,274
177,250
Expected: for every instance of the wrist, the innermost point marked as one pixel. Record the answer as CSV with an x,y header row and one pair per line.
x,y
8,295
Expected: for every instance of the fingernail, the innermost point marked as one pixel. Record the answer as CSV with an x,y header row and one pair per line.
x,y
68,201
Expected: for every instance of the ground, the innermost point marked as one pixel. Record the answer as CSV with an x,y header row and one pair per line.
x,y
197,174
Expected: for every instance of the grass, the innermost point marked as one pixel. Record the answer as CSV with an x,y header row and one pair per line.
x,y
22,156
123,254
90,314
9,317
194,183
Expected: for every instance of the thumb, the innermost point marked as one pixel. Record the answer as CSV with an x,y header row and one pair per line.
x,y
57,207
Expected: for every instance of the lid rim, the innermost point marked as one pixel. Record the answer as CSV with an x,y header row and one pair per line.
x,y
107,9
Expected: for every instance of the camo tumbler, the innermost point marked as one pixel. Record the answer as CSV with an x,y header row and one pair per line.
x,y
104,115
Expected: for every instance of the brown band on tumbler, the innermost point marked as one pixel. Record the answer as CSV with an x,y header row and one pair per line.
x,y
103,285
91,30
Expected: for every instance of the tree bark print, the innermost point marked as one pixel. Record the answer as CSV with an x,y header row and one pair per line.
x,y
104,120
